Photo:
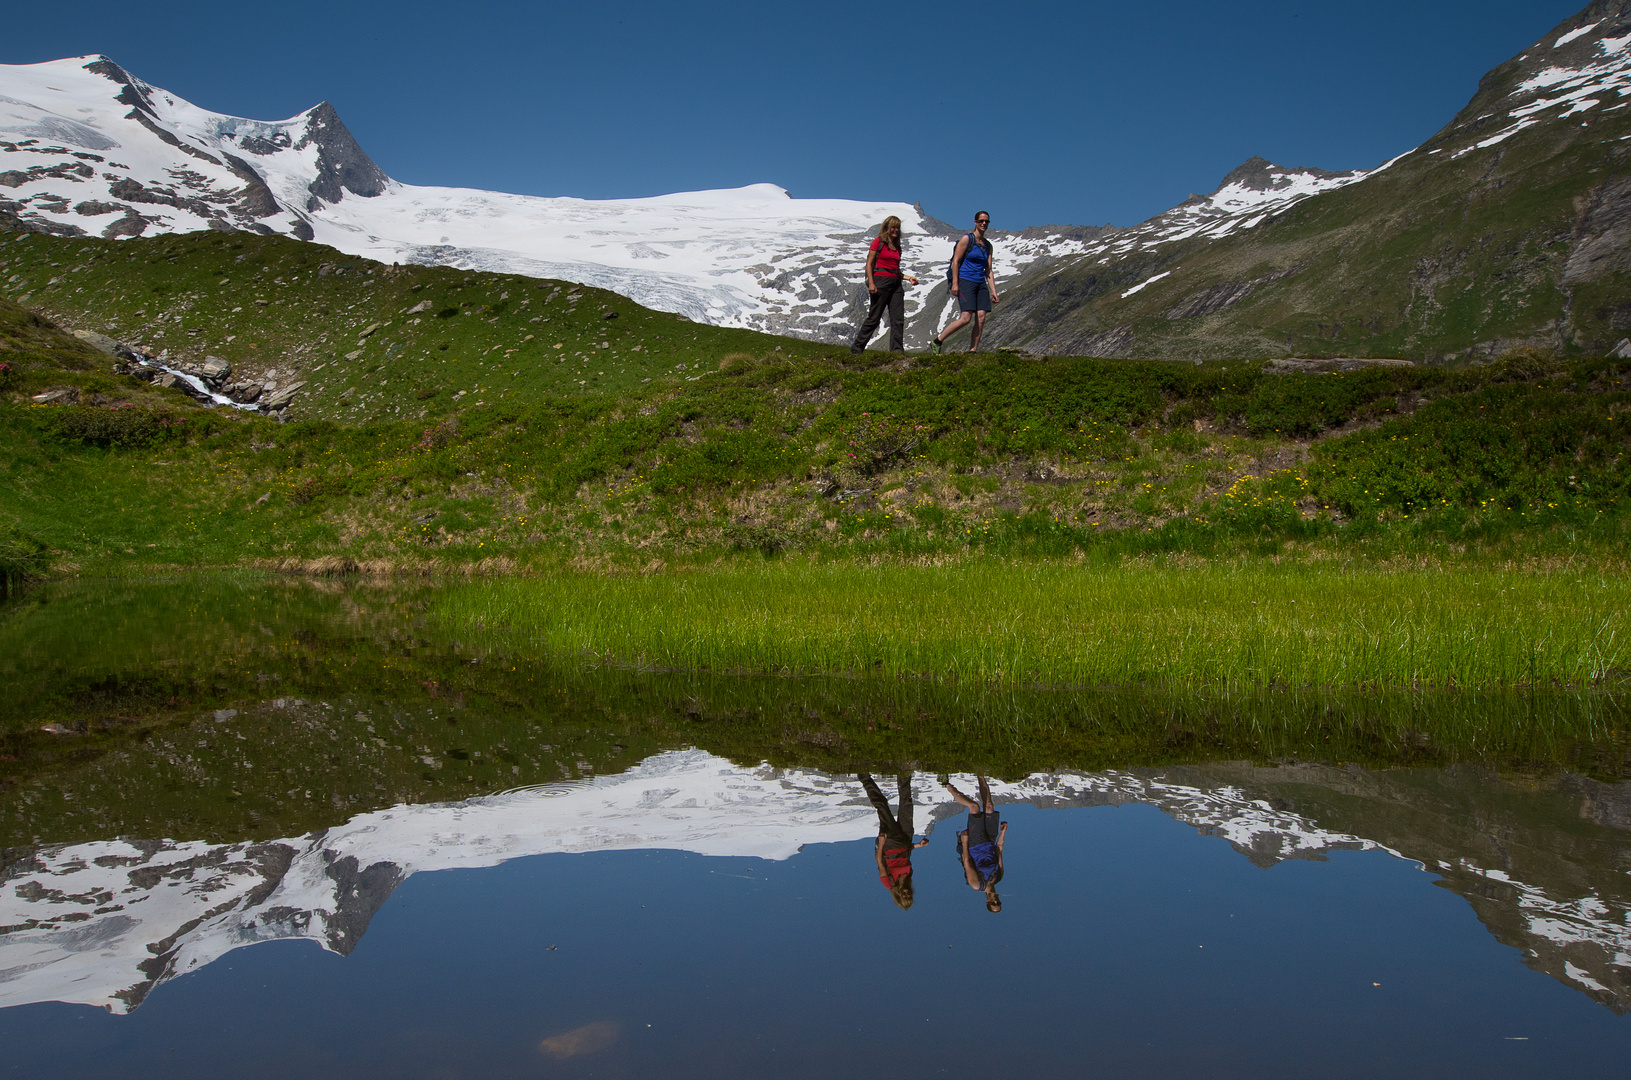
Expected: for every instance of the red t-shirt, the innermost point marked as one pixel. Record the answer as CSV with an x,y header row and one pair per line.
x,y
897,863
888,261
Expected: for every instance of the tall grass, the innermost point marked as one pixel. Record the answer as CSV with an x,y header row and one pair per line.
x,y
21,557
999,623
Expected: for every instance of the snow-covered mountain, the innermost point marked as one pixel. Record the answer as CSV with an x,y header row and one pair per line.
x,y
93,150
1507,229
104,923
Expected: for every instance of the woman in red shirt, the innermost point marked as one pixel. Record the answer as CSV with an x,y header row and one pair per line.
x,y
884,282
893,851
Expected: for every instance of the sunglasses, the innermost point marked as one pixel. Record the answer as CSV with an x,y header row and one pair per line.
x,y
982,221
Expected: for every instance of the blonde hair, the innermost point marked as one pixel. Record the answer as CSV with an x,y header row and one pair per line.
x,y
883,231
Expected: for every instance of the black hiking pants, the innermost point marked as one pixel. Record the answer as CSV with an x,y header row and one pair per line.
x,y
896,827
891,294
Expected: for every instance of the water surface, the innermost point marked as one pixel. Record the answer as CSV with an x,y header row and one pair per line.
x,y
283,830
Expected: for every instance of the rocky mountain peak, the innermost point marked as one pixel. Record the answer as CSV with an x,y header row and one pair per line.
x,y
1261,174
1583,62
132,91
342,165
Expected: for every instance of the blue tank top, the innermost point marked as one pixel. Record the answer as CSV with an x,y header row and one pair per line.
x,y
987,863
974,262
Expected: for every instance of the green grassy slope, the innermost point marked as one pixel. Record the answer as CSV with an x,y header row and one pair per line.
x,y
1438,256
758,444
369,341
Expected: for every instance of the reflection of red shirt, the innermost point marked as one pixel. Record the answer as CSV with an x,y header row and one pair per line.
x,y
888,262
897,863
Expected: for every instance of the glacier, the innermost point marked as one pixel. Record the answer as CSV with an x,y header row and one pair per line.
x,y
91,150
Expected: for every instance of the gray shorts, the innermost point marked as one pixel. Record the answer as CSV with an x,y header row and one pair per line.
x,y
984,828
973,295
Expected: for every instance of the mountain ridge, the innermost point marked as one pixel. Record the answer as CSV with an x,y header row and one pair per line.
x,y
1506,229
773,263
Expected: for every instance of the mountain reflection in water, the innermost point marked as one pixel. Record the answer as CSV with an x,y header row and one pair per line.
x,y
103,923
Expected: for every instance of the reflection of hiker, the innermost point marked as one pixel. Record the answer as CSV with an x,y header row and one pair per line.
x,y
883,281
980,845
893,850
973,282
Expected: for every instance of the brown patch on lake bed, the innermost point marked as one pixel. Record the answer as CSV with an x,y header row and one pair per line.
x,y
588,1039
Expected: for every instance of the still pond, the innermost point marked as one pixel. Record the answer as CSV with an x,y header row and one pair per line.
x,y
270,829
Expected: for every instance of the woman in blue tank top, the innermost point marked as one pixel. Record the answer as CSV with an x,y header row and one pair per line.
x,y
974,284
979,847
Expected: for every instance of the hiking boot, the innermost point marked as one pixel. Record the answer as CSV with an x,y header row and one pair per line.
x,y
934,346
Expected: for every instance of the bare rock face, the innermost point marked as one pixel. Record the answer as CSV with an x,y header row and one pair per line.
x,y
342,165
102,343
1289,365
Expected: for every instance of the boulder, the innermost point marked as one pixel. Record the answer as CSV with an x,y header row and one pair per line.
x,y
279,400
102,343
244,393
65,395
215,369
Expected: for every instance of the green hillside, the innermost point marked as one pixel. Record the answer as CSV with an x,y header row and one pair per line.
x,y
369,341
700,440
1459,250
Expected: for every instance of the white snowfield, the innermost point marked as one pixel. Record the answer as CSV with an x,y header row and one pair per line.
x,y
90,149
104,923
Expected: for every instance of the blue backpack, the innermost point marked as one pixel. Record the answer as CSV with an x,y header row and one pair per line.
x,y
953,266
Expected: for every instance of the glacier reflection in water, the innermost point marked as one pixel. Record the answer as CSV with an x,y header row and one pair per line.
x,y
106,923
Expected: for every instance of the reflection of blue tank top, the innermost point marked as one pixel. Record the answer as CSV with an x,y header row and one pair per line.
x,y
974,262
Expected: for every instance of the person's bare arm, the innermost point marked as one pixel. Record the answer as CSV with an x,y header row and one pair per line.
x,y
871,261
991,281
957,263
920,843
877,856
969,875
1002,835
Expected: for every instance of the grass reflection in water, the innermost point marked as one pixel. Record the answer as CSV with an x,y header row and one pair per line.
x,y
244,708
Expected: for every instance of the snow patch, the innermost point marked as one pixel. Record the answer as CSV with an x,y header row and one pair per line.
x,y
1147,281
1572,34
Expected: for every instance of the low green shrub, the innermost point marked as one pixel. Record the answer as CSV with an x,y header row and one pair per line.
x,y
309,489
1513,447
116,425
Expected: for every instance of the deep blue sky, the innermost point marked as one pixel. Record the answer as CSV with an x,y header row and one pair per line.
x,y
1042,112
